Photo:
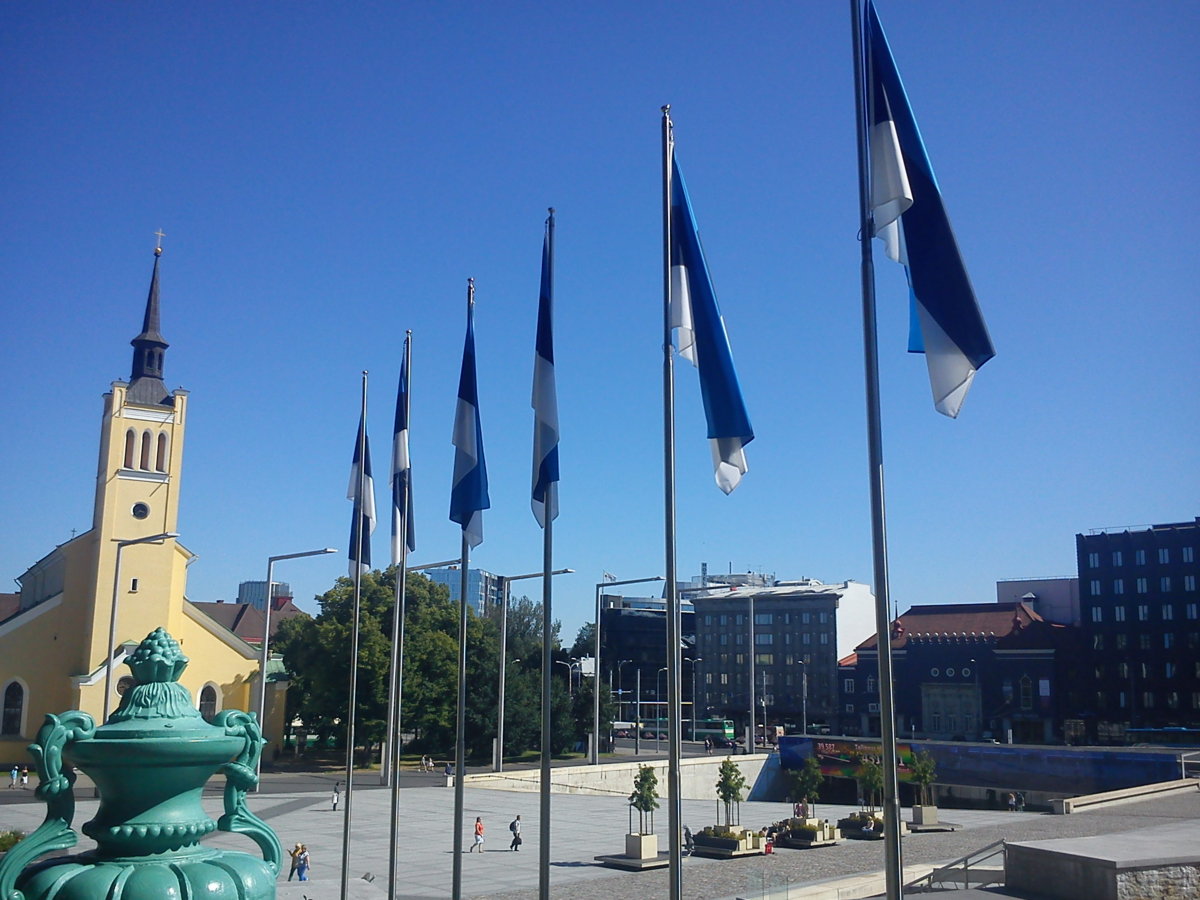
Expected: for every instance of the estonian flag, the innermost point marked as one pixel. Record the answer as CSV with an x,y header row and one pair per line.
x,y
545,398
469,493
946,324
701,339
363,521
402,471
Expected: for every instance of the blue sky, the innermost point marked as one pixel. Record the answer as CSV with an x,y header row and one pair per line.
x,y
329,175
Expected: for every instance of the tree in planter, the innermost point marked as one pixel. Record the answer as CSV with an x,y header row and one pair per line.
x,y
644,797
924,772
730,784
806,783
871,782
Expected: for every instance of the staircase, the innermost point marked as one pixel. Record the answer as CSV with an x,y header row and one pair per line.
x,y
980,868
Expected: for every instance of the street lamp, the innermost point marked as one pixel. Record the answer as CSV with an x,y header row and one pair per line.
x,y
803,697
266,644
570,674
596,637
505,581
112,620
693,661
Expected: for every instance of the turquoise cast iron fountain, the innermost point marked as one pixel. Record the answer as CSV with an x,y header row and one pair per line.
x,y
150,763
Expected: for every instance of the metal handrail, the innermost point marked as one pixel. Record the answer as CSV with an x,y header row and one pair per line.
x,y
1189,759
963,864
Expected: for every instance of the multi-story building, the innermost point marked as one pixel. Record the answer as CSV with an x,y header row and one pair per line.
x,y
1141,609
483,588
776,643
255,593
633,653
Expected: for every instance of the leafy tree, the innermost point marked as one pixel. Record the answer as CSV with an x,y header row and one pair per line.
x,y
525,628
924,773
645,797
870,779
585,641
806,783
584,709
730,784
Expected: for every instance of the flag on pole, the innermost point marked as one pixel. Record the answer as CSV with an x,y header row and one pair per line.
x,y
701,339
469,493
402,469
545,396
910,218
363,520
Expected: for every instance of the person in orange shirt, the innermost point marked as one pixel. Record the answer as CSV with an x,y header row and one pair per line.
x,y
478,836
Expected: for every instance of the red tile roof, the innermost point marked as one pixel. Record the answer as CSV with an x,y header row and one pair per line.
x,y
966,619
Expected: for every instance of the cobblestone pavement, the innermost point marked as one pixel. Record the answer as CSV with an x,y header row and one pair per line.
x,y
584,827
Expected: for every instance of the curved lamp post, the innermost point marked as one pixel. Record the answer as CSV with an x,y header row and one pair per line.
x,y
112,619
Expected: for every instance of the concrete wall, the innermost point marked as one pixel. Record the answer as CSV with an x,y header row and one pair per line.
x,y
697,777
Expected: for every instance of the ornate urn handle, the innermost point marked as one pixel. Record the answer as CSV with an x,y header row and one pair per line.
x,y
240,777
56,790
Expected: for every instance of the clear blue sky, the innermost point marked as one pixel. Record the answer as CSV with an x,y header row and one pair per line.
x,y
328,175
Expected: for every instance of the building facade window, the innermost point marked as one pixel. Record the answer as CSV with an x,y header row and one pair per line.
x,y
1168,640
764,619
1026,692
1093,560
1144,641
1116,558
1142,585
1164,584
848,685
1143,612
1118,585
1164,556
1097,614
870,684
1095,587
764,639
1189,583
1119,613
14,709
130,448
144,462
1168,612
1139,557
208,702
1189,554
1192,610
160,459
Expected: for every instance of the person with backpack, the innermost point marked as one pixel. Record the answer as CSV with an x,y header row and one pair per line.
x,y
515,827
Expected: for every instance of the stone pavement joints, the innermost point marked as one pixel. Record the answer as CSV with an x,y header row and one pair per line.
x,y
585,826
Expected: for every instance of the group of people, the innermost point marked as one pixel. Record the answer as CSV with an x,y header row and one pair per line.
x,y
514,828
301,862
19,774
1016,801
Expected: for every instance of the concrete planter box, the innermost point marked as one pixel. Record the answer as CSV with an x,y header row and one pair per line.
x,y
641,846
925,815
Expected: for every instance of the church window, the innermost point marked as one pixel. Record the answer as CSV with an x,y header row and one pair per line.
x,y
208,702
130,441
160,463
145,461
14,709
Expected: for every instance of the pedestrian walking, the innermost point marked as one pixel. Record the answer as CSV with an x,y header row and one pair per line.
x,y
1012,802
478,836
305,862
337,794
1020,802
14,775
24,778
515,827
294,853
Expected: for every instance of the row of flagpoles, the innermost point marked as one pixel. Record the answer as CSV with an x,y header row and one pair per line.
x,y
901,204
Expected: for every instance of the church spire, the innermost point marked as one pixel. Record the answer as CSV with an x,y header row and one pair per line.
x,y
145,381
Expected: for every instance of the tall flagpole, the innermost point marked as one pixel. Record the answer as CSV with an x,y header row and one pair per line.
x,y
460,726
353,704
674,748
395,704
547,648
893,861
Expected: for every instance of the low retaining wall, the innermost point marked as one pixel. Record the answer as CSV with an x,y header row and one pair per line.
x,y
1068,805
697,777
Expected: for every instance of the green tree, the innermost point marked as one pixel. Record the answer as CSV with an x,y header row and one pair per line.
x,y
645,797
806,783
585,641
525,628
730,784
870,780
924,773
584,709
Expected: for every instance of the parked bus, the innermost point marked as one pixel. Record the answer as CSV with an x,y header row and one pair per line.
x,y
710,728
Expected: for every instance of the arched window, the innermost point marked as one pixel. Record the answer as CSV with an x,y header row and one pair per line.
x,y
130,441
160,463
14,709
145,462
208,702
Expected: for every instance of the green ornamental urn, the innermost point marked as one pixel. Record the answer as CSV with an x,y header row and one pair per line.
x,y
150,762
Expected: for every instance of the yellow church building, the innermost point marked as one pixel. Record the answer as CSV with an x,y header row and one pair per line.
x,y
88,603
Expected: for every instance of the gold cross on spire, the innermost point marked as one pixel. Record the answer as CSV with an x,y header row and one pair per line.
x,y
158,245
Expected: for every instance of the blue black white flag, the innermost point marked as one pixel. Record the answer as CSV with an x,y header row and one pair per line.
x,y
362,492
545,395
402,500
701,339
469,492
910,218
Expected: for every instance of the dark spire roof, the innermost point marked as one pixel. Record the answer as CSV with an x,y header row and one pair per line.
x,y
145,381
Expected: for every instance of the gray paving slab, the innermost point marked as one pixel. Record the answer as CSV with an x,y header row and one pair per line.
x,y
584,827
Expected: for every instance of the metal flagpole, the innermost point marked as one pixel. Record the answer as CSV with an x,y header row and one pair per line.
x,y
352,706
893,861
547,650
395,705
460,733
498,755
675,813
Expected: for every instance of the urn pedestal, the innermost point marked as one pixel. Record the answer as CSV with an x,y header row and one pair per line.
x,y
150,763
